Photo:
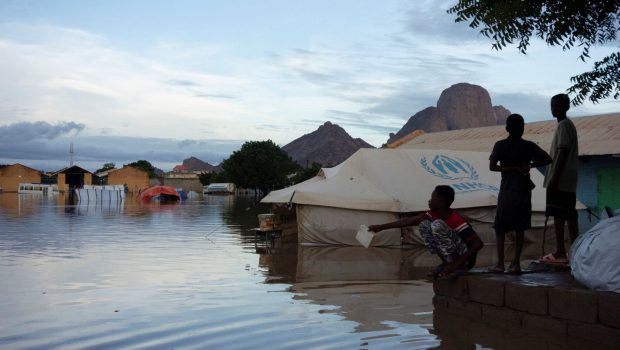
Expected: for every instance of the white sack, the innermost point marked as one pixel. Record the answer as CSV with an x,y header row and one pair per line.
x,y
595,256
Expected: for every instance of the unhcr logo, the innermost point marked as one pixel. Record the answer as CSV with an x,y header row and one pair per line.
x,y
456,169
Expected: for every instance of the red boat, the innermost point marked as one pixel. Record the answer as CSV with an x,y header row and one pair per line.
x,y
160,194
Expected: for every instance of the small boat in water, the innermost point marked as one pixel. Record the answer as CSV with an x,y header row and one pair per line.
x,y
161,194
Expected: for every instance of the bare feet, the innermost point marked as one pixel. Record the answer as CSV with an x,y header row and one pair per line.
x,y
436,270
514,269
496,269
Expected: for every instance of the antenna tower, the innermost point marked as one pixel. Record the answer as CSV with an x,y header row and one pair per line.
x,y
71,154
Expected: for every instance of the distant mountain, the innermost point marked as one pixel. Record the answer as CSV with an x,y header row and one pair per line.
x,y
329,144
501,114
460,106
195,164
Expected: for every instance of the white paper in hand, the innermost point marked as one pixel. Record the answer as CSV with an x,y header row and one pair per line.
x,y
364,236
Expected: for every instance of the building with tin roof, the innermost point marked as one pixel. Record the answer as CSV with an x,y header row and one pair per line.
x,y
599,153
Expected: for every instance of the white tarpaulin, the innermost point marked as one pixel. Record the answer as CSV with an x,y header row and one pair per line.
x,y
594,257
338,226
376,185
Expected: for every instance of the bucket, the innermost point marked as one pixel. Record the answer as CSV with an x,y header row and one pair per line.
x,y
266,221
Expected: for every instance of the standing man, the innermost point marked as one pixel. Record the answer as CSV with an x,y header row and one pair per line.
x,y
561,178
514,157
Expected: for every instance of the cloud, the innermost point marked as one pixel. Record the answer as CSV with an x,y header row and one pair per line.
x,y
91,154
25,131
429,18
224,96
532,107
205,90
52,71
187,143
353,128
181,82
45,146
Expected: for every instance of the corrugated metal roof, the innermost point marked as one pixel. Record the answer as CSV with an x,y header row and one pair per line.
x,y
598,135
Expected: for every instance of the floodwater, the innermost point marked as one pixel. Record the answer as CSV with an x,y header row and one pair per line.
x,y
194,276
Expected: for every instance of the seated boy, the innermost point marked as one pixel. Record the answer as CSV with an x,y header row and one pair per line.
x,y
445,233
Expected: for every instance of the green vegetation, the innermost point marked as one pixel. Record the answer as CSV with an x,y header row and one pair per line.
x,y
144,165
106,166
259,164
558,23
209,178
306,173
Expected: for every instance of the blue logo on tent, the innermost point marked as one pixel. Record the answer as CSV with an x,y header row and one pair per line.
x,y
450,168
456,169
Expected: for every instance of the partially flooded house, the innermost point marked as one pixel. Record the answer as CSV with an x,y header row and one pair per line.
x,y
72,177
12,175
132,178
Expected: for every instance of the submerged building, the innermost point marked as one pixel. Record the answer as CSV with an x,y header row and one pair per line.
x,y
132,178
12,175
72,177
186,179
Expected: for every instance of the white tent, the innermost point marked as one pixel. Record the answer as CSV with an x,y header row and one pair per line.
x,y
378,185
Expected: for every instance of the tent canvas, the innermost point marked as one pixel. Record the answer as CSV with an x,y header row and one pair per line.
x,y
378,185
595,261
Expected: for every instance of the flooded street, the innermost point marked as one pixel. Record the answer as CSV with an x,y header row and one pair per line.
x,y
194,276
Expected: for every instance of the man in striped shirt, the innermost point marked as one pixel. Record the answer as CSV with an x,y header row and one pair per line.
x,y
445,233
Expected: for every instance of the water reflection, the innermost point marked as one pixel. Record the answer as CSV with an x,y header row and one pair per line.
x,y
194,275
16,205
459,331
385,290
191,275
376,287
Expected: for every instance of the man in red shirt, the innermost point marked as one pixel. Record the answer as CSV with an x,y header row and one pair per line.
x,y
445,233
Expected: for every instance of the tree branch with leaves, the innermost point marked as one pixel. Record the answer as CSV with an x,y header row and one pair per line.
x,y
260,165
568,23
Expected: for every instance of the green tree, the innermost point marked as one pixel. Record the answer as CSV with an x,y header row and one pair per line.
x,y
144,165
106,166
566,23
206,178
259,164
209,178
304,174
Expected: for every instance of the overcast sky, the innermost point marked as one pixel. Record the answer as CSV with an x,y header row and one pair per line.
x,y
165,80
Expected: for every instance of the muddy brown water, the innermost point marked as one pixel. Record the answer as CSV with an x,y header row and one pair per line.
x,y
194,276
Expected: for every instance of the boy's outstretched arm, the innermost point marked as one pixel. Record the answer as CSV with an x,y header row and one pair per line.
x,y
404,222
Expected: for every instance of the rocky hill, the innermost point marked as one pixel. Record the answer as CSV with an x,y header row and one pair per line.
x,y
195,164
329,144
460,106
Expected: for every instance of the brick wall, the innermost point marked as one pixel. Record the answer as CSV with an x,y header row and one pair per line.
x,y
12,175
537,306
134,179
186,184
